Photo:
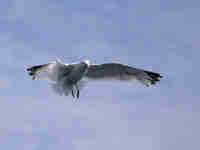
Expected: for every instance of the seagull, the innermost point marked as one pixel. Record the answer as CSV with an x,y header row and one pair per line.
x,y
68,79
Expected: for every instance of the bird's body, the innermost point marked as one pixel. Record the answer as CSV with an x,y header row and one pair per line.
x,y
66,78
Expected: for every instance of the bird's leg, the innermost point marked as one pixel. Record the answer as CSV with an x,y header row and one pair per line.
x,y
73,92
78,92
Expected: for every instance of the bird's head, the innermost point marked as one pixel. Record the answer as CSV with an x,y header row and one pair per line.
x,y
86,62
58,61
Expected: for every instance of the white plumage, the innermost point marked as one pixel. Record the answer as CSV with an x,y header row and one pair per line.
x,y
68,78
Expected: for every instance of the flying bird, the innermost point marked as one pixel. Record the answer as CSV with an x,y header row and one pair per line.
x,y
68,79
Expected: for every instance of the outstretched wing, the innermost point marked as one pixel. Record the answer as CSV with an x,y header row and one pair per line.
x,y
122,72
56,73
52,71
40,71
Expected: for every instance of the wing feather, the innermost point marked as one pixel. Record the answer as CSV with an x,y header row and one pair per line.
x,y
53,71
56,73
39,71
121,72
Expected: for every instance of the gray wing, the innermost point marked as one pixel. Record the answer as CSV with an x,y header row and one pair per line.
x,y
121,72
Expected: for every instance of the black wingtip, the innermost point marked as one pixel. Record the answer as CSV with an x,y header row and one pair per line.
x,y
155,77
31,71
28,69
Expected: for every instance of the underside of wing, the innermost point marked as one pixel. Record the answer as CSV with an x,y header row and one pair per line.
x,y
121,72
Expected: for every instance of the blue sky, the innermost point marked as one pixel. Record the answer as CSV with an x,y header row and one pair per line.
x,y
162,36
